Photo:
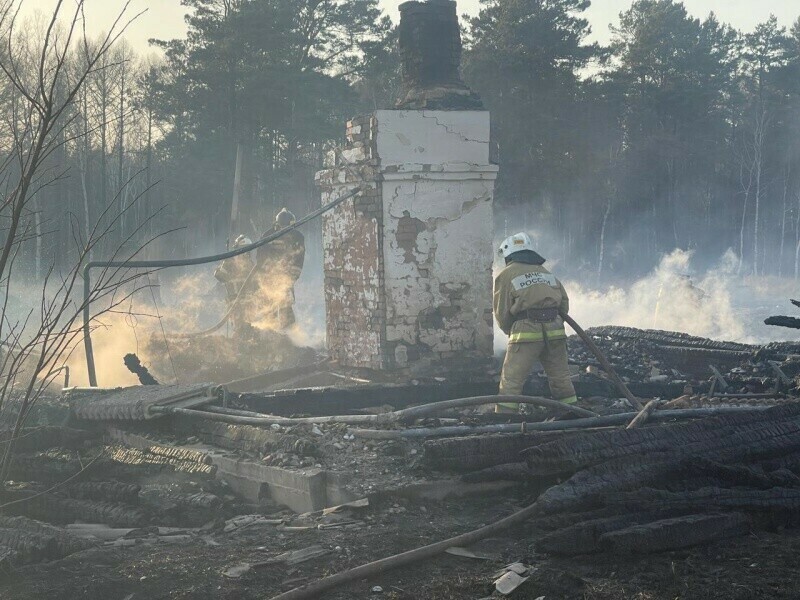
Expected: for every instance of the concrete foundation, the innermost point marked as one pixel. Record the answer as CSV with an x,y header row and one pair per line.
x,y
300,490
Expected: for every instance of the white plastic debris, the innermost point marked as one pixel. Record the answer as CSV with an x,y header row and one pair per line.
x,y
508,583
518,568
247,521
237,571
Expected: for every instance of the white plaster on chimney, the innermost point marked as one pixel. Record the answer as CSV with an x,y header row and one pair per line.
x,y
434,237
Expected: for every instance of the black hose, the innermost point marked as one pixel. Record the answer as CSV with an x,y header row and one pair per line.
x,y
245,417
606,421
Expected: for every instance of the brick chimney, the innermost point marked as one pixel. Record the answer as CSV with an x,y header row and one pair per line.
x,y
408,263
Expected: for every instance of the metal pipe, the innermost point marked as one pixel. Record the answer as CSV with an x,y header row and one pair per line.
x,y
188,262
424,410
237,417
606,421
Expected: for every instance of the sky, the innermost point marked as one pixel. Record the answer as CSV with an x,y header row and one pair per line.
x,y
164,18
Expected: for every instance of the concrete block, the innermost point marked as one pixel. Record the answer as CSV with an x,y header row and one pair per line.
x,y
301,490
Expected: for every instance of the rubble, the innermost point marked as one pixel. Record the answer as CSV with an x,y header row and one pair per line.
x,y
158,480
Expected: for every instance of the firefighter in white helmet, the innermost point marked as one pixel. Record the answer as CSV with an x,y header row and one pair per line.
x,y
233,274
280,264
527,302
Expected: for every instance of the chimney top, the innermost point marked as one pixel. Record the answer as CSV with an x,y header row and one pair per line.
x,y
430,49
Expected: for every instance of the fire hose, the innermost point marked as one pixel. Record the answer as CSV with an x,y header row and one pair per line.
x,y
188,262
634,401
231,307
243,417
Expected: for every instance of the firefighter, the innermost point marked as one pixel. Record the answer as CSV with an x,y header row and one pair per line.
x,y
527,302
232,273
280,264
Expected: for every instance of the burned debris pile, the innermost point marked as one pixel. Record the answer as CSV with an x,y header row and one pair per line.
x,y
646,489
662,363
67,490
670,487
718,453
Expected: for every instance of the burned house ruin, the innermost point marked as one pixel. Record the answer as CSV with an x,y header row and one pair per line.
x,y
408,267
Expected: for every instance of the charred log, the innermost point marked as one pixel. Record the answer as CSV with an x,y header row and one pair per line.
x,y
508,472
134,456
106,491
42,468
47,507
561,456
774,499
27,546
583,489
135,366
480,452
41,438
65,542
788,322
668,338
183,510
673,534
585,536
733,475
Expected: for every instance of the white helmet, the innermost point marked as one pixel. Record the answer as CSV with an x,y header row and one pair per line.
x,y
242,240
516,243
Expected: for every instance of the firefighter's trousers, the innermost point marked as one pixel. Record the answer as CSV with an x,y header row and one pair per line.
x,y
520,360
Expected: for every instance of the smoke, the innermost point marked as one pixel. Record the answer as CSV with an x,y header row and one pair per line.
x,y
716,304
186,302
674,296
181,304
309,330
113,336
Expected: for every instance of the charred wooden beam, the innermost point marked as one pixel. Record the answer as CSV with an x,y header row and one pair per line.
x,y
48,507
789,322
565,456
676,533
480,452
135,366
34,439
107,491
586,488
668,338
711,498
134,456
584,535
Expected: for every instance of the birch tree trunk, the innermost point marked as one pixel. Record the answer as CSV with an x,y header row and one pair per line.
x,y
783,221
603,240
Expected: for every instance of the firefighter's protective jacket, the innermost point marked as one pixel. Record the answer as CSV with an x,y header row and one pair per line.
x,y
233,272
521,287
284,256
